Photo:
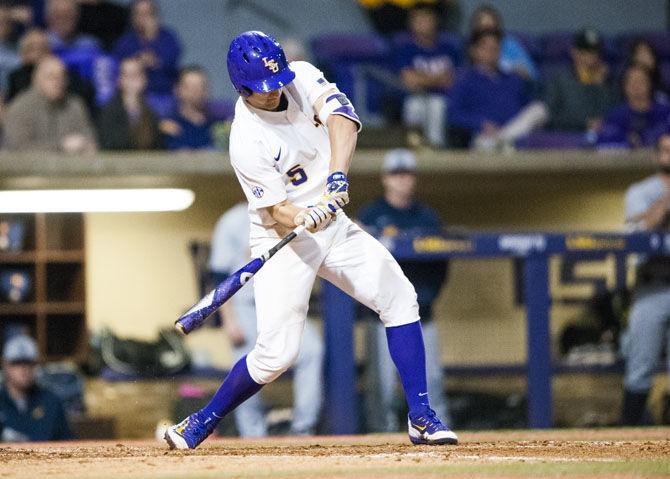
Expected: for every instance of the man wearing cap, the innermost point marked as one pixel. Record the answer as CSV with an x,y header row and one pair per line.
x,y
579,96
27,412
398,211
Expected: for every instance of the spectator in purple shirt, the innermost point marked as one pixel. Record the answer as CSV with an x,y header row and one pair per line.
x,y
62,17
490,109
641,120
79,52
426,68
154,45
190,127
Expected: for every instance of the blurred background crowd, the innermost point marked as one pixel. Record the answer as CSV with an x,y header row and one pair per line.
x,y
81,75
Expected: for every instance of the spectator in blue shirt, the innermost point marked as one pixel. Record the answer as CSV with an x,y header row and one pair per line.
x,y
513,56
156,47
27,411
62,17
190,127
641,120
426,67
399,212
490,108
9,58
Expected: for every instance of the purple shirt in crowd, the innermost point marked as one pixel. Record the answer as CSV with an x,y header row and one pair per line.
x,y
165,47
480,96
438,59
625,127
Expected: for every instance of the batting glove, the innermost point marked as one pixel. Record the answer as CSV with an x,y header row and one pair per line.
x,y
337,191
315,218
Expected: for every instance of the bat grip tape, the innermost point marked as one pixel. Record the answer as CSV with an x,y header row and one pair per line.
x,y
285,240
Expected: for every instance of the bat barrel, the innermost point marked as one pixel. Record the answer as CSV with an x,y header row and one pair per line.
x,y
196,316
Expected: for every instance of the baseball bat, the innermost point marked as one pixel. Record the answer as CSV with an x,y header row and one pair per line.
x,y
199,312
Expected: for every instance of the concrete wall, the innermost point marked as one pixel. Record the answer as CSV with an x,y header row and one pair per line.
x,y
140,276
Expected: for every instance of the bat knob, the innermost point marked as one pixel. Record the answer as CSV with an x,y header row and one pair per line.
x,y
180,328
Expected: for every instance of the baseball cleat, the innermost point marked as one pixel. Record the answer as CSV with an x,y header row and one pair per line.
x,y
189,433
428,429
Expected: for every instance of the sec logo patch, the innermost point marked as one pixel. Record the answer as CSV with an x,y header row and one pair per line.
x,y
257,191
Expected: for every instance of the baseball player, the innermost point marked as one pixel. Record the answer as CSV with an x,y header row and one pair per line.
x,y
230,251
291,143
647,207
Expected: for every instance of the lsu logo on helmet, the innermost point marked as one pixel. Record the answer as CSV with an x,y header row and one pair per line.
x,y
271,64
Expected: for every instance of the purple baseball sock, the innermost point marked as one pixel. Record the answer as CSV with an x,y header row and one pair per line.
x,y
409,355
236,388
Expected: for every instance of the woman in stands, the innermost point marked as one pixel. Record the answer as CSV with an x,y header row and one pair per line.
x,y
641,119
643,53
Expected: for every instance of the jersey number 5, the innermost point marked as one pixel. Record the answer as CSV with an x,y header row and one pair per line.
x,y
297,175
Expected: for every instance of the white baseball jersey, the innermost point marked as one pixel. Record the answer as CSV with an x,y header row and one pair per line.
x,y
285,155
279,155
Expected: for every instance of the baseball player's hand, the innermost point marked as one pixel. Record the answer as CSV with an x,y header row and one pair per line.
x,y
337,191
315,218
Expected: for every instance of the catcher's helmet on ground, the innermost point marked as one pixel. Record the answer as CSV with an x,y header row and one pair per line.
x,y
256,62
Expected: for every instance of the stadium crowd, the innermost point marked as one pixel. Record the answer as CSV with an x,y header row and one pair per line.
x,y
490,89
78,76
495,89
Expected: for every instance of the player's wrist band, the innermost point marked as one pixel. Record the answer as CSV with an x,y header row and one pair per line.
x,y
337,176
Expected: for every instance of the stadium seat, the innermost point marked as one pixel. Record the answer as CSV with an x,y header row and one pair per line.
x,y
665,75
660,41
552,140
333,48
358,64
221,110
557,46
532,43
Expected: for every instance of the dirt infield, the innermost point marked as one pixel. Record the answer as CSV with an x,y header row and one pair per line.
x,y
610,453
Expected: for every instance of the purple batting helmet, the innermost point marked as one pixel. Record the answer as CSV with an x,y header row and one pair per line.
x,y
256,62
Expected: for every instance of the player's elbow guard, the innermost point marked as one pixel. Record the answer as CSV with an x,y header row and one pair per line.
x,y
339,104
